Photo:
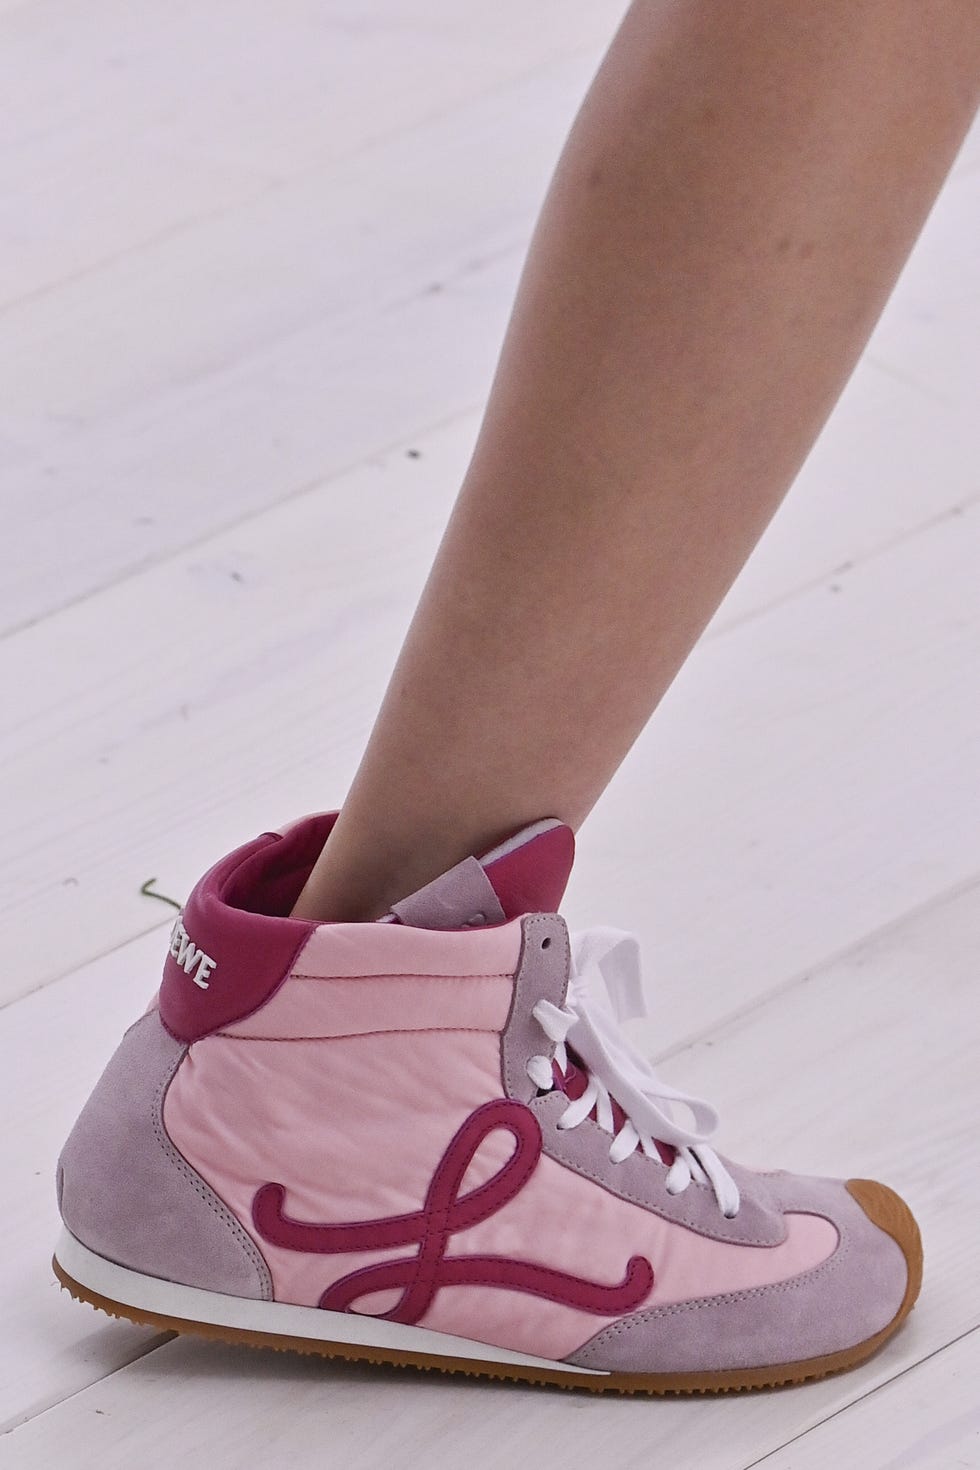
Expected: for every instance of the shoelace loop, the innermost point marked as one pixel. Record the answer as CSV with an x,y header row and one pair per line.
x,y
605,988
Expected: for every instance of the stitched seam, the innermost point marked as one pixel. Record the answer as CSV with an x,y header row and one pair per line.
x,y
429,1214
362,1035
203,1190
404,975
440,1218
506,1286
729,1298
514,1082
622,1192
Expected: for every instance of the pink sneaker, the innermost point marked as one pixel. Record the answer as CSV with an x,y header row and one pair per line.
x,y
425,1141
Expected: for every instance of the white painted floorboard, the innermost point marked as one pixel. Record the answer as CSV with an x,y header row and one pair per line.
x,y
230,357
939,1399
207,368
255,267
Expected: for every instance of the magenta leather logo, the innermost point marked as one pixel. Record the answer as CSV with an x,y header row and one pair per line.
x,y
444,1214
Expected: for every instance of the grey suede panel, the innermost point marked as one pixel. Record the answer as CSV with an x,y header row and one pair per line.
x,y
850,1297
463,898
642,1181
126,1193
542,974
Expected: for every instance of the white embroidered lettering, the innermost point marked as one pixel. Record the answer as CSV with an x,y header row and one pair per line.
x,y
193,961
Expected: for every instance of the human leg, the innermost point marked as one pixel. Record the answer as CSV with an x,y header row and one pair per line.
x,y
737,196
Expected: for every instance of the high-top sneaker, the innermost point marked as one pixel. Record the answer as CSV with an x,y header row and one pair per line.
x,y
426,1141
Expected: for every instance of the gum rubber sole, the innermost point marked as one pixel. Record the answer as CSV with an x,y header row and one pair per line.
x,y
880,1204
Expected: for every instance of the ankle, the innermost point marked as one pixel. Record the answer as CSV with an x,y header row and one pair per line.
x,y
357,878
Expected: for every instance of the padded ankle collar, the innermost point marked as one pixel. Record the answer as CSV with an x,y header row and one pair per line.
x,y
233,944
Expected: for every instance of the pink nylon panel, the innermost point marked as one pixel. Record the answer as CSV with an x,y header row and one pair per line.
x,y
366,1003
319,1117
393,949
354,1128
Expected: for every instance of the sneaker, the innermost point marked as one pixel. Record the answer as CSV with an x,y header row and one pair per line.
x,y
426,1141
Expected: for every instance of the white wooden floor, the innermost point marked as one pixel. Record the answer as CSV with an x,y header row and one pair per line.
x,y
255,266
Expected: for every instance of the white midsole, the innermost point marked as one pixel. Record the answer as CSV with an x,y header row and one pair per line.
x,y
170,1299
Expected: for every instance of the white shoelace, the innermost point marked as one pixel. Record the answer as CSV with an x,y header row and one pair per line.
x,y
605,988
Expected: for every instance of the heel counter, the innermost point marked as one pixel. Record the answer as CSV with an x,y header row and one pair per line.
x,y
126,1192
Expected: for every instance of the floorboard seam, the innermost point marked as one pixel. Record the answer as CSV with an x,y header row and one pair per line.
x,y
901,538
91,960
274,183
862,1398
214,533
11,1426
874,936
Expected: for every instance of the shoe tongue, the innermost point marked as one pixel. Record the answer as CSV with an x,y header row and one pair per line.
x,y
526,874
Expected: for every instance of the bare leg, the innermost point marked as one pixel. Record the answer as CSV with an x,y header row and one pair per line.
x,y
737,196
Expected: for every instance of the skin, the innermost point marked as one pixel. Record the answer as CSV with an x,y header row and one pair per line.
x,y
736,198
